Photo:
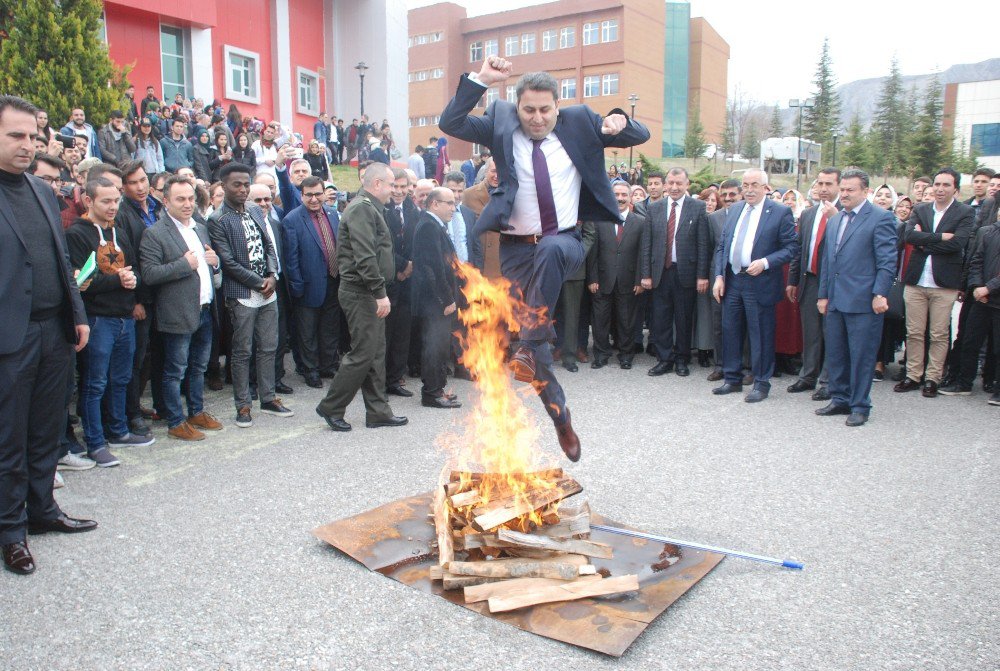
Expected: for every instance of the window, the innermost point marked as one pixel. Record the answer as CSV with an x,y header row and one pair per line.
x,y
510,44
567,38
422,39
174,52
490,48
491,95
437,37
422,76
437,73
475,52
609,30
589,33
549,40
308,92
591,86
528,43
609,85
242,74
512,94
422,121
567,89
986,139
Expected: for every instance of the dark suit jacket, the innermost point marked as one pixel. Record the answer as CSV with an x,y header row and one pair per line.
x,y
775,241
800,264
619,266
865,263
434,285
947,256
579,130
305,264
15,292
225,227
716,224
691,239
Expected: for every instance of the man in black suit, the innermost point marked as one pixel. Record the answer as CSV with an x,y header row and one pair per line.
x,y
401,216
550,164
939,232
617,267
679,262
43,318
803,280
435,295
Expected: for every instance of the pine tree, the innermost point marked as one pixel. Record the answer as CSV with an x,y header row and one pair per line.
x,y
820,120
889,126
855,153
751,141
694,139
776,129
728,144
53,56
927,146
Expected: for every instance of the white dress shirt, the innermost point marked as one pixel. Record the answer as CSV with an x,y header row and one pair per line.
x,y
677,223
195,245
565,179
458,235
742,258
927,277
815,231
264,154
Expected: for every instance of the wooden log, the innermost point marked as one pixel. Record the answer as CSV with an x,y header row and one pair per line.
x,y
547,474
451,582
435,572
569,591
509,508
564,568
586,548
463,499
486,591
567,528
530,553
442,525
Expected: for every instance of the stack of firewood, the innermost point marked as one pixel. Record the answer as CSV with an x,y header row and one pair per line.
x,y
514,551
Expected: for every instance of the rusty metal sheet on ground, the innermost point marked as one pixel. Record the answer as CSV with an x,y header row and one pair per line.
x,y
396,540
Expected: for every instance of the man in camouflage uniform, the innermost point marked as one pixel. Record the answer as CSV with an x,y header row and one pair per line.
x,y
364,256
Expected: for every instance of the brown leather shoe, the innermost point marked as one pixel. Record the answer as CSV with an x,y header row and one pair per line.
x,y
184,431
17,558
205,422
523,365
568,440
930,389
581,356
715,376
907,385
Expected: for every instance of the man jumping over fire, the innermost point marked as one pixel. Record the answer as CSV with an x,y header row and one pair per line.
x,y
550,164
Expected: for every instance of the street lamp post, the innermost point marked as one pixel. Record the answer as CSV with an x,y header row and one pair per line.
x,y
836,134
633,99
808,103
361,67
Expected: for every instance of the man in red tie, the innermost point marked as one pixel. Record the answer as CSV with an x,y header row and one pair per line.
x,y
803,282
550,167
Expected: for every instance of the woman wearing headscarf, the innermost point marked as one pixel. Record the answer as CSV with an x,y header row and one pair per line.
x,y
794,200
893,330
788,324
316,156
204,154
638,194
444,163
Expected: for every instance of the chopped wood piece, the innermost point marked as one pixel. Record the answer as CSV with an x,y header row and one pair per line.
x,y
587,548
564,568
588,569
509,508
436,572
530,553
465,498
548,474
452,582
446,548
567,528
515,586
574,505
568,591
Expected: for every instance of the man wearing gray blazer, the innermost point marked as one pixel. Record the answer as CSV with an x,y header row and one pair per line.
x,y
179,262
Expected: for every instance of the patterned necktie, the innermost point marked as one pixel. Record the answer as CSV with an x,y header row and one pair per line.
x,y
843,228
329,245
543,188
736,257
814,266
671,229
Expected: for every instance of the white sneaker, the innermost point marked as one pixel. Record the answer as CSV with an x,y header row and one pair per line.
x,y
58,483
75,462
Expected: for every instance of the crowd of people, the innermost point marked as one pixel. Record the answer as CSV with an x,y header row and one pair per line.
x,y
185,246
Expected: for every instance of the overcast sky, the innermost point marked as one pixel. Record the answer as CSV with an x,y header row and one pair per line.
x,y
774,46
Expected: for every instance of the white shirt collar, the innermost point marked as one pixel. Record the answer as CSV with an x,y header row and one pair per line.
x,y
193,225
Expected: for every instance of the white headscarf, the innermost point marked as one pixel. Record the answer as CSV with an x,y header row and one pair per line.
x,y
895,196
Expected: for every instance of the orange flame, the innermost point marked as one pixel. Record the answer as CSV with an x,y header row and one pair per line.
x,y
499,447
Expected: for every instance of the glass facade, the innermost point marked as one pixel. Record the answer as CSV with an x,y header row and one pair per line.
x,y
986,139
675,77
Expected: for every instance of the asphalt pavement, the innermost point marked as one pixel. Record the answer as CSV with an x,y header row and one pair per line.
x,y
204,557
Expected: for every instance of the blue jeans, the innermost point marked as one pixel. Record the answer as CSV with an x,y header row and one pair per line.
x,y
186,353
107,361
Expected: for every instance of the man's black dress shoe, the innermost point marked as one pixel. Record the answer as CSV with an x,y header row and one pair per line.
x,y
334,423
61,524
439,402
17,558
523,364
570,365
283,389
598,363
312,380
930,389
833,409
661,368
907,385
398,390
821,394
328,373
727,388
800,386
856,419
388,421
703,360
755,396
682,369
625,364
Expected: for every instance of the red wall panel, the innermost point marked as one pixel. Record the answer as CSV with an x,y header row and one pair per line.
x,y
134,36
305,20
248,27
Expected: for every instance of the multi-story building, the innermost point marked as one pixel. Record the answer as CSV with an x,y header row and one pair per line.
x,y
972,118
275,59
600,51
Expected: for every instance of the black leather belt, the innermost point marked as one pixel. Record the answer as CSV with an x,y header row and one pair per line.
x,y
529,239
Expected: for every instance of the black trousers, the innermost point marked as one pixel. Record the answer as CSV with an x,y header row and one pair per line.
x,y
32,410
397,332
983,323
319,331
673,311
621,306
435,355
134,391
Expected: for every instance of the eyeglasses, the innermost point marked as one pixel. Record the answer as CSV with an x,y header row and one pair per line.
x,y
49,179
309,196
